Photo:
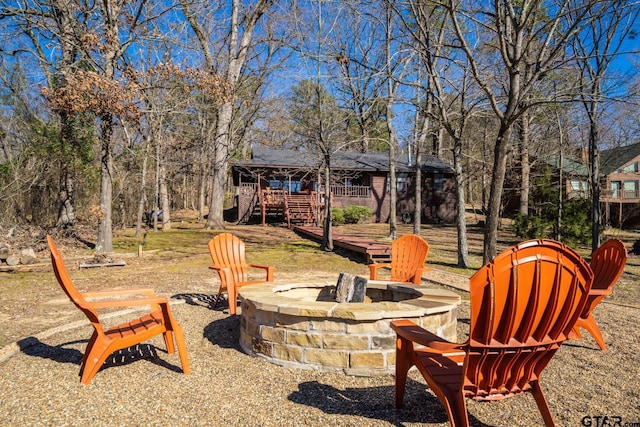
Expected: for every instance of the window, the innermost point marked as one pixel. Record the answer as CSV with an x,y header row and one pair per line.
x,y
615,189
401,182
578,188
285,184
438,182
630,189
359,180
630,168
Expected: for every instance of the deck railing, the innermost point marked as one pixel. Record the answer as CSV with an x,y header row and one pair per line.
x,y
349,191
620,194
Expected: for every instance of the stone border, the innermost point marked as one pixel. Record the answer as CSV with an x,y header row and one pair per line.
x,y
288,328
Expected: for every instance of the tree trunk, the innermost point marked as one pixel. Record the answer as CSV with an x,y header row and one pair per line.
x,y
594,161
67,212
561,191
495,196
202,191
104,243
164,201
327,232
417,213
143,183
483,181
422,138
461,220
215,219
156,187
524,162
393,193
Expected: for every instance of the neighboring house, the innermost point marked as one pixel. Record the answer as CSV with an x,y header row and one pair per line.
x,y
619,178
620,184
288,184
575,176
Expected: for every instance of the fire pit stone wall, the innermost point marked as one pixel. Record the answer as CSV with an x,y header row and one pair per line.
x,y
299,326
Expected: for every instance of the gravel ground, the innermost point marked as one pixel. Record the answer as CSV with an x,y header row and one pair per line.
x,y
145,386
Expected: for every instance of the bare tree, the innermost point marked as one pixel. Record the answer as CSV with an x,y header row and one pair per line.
x,y
448,92
318,123
243,23
598,45
511,28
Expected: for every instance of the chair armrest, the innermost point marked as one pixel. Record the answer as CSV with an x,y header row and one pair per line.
x,y
127,302
608,291
226,277
410,331
116,292
373,269
268,268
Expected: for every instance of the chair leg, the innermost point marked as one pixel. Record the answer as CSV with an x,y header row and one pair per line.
x,y
87,350
404,348
590,325
168,341
215,303
93,363
575,332
541,401
182,348
232,295
456,408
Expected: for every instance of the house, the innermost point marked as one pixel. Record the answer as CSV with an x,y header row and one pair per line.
x,y
289,185
551,171
619,180
620,193
575,176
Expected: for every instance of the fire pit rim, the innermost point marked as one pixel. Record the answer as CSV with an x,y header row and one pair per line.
x,y
272,297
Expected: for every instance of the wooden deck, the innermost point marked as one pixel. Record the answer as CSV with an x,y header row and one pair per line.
x,y
373,252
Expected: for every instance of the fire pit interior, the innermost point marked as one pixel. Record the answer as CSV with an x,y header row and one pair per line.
x,y
300,325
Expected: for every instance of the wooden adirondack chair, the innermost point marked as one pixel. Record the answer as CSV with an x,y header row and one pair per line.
x,y
227,254
408,255
607,263
523,305
104,342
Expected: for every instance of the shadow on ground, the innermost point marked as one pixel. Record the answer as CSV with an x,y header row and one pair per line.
x,y
203,300
32,346
375,403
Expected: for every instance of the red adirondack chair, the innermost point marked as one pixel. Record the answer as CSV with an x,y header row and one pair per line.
x,y
523,306
227,254
408,255
104,342
607,263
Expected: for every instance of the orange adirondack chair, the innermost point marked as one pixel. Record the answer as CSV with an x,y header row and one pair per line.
x,y
104,342
608,263
227,254
523,305
408,255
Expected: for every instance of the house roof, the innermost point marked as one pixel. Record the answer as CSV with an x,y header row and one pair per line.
x,y
569,166
615,158
345,160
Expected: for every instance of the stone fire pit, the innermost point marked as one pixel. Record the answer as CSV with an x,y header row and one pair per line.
x,y
300,325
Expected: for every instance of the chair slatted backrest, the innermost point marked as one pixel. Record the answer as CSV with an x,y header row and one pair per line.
x,y
69,288
607,263
227,250
408,253
523,306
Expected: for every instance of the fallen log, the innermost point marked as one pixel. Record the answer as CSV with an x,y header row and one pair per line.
x,y
105,264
